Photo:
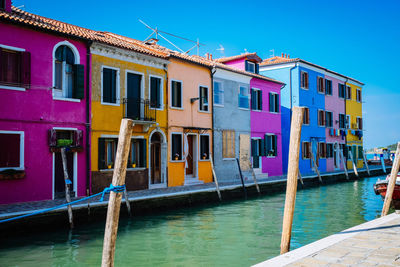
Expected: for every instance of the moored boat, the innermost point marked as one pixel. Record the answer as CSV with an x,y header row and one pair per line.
x,y
380,188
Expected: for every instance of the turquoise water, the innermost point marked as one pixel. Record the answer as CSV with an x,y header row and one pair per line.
x,y
239,233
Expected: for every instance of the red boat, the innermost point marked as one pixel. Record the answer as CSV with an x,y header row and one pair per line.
x,y
380,188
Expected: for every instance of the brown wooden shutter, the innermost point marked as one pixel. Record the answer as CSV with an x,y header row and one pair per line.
x,y
26,69
52,138
1,65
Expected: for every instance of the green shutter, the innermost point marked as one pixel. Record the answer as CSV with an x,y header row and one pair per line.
x,y
275,144
277,103
101,154
263,151
143,153
260,100
253,99
79,81
254,148
257,68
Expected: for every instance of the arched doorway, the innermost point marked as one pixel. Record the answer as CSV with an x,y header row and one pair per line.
x,y
156,176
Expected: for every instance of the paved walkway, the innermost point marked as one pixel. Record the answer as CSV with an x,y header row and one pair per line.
x,y
374,243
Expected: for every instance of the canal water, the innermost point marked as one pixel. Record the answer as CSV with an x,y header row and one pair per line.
x,y
239,233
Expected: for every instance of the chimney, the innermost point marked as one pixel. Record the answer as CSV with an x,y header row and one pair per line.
x,y
288,56
207,56
282,55
211,57
285,56
6,5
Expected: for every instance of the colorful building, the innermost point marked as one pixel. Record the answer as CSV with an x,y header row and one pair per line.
x,y
44,100
189,120
129,80
263,102
354,122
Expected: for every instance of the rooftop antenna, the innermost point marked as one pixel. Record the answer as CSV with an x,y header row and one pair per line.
x,y
245,50
272,52
157,32
222,49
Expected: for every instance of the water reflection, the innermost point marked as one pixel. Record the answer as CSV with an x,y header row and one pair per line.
x,y
237,233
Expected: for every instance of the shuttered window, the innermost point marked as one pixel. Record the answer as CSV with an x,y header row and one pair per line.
x,y
203,95
359,123
155,92
176,147
306,150
328,87
320,84
204,146
342,121
321,118
328,119
256,99
243,97
274,102
322,150
306,117
109,86
15,68
358,95
304,80
251,66
218,93
11,150
137,154
329,150
360,152
342,90
228,144
176,94
348,92
271,149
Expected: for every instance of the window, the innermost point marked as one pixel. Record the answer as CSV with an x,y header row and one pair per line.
x,y
228,144
306,116
328,119
320,85
251,67
322,150
256,99
342,121
156,100
176,94
348,92
321,118
137,153
328,87
359,123
348,121
15,68
69,77
204,147
2,4
304,80
218,94
358,95
271,149
306,150
12,150
243,97
110,81
342,91
360,152
274,102
203,94
329,150
176,147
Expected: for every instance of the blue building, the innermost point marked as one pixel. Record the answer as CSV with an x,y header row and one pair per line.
x,y
302,89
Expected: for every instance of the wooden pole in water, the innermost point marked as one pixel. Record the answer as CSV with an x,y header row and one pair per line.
x,y
301,179
67,183
354,164
293,172
114,203
344,164
383,165
241,178
255,180
128,204
366,163
215,178
392,181
316,167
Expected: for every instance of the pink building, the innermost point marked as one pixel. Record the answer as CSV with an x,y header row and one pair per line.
x,y
265,116
44,82
335,105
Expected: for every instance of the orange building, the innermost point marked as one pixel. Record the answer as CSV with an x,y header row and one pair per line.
x,y
189,120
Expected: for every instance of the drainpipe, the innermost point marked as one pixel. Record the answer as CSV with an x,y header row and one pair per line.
x,y
166,128
290,88
88,113
212,72
345,113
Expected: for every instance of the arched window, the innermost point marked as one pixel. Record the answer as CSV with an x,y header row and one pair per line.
x,y
68,76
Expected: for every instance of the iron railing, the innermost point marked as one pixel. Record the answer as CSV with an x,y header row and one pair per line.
x,y
139,109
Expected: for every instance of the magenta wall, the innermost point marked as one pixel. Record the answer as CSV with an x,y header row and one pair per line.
x,y
336,105
238,63
263,122
35,112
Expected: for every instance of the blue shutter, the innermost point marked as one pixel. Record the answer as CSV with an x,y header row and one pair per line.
x,y
263,151
271,102
253,99
260,100
79,81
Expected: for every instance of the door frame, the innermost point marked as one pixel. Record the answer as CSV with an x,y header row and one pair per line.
x,y
75,170
163,171
142,81
195,154
259,169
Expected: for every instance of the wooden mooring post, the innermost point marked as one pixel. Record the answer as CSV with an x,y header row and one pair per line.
x,y
292,176
114,202
128,204
315,166
344,162
301,179
255,180
392,181
241,178
215,178
383,165
366,163
67,183
354,164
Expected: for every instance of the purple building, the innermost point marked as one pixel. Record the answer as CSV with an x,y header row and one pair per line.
x,y
265,116
44,84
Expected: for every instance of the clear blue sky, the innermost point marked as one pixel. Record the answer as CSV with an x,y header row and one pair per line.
x,y
360,39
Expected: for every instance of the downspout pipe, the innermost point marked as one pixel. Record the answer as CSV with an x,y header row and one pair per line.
x,y
212,72
88,113
345,114
167,109
290,89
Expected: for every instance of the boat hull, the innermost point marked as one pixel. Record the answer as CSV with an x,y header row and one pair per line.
x,y
380,188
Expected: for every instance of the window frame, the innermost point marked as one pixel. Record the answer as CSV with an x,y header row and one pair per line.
x,y
358,119
358,95
328,81
161,91
344,121
348,90
209,143
308,113
258,91
15,49
348,121
276,148
248,97
117,86
323,118
322,148
171,147
277,104
343,90
251,63
21,150
307,85
221,89
208,99
130,153
170,94
330,155
320,78
308,156
331,112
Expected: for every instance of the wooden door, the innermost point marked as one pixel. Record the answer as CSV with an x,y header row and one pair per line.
x,y
189,169
59,183
155,163
133,106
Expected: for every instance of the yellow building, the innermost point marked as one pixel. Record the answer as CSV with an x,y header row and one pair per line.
x,y
129,80
354,120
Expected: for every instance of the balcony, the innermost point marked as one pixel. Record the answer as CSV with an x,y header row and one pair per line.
x,y
140,111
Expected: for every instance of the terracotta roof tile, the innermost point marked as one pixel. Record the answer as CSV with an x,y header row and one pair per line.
x,y
226,59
